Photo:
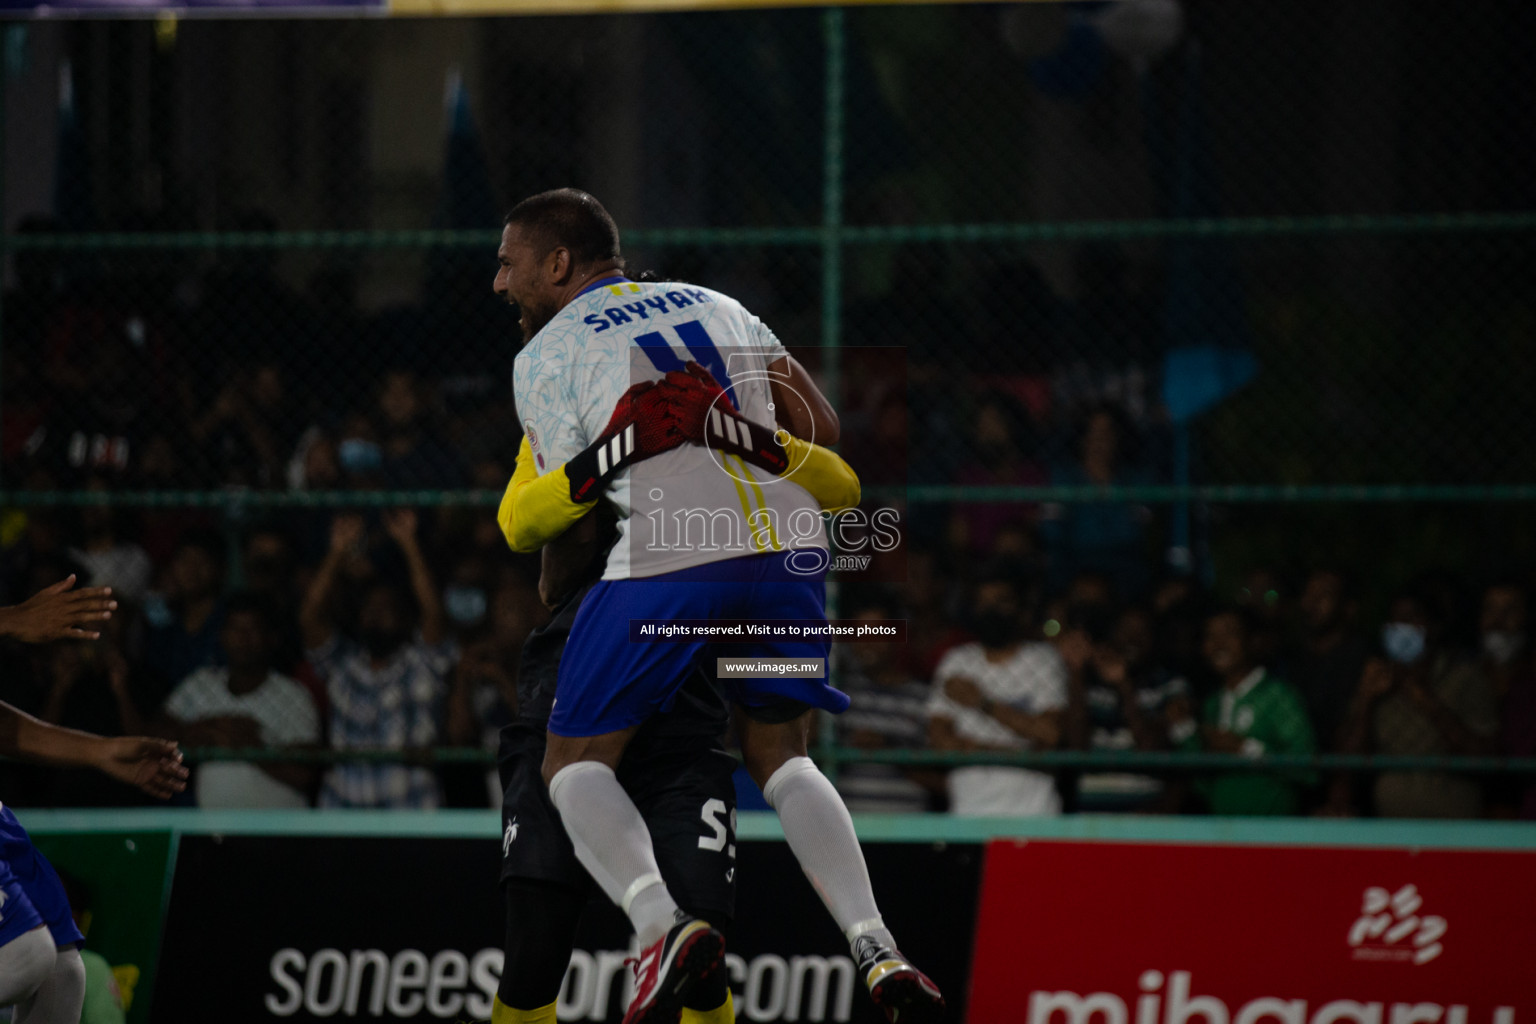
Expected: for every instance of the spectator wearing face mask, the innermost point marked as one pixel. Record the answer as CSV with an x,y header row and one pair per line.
x,y
1002,693
1418,699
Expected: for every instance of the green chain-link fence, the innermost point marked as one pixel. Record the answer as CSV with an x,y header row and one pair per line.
x,y
1233,291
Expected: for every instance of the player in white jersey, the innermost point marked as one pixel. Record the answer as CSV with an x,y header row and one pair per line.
x,y
703,537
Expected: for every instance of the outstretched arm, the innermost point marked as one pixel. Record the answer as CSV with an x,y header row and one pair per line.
x,y
401,526
58,613
153,765
315,626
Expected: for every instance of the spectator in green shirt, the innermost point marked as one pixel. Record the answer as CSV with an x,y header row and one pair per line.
x,y
1252,714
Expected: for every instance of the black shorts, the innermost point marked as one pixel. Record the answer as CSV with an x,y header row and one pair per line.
x,y
684,792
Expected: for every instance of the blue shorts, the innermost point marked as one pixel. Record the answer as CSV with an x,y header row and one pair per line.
x,y
608,683
30,891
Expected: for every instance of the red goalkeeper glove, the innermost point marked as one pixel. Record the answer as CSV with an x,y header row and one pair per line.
x,y
703,412
642,425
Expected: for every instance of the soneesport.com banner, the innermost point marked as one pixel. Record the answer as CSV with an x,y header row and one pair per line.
x,y
1151,933
301,928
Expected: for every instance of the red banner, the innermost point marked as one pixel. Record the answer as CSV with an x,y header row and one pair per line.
x,y
1121,933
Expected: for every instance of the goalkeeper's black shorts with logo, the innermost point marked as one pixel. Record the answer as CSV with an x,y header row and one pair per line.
x,y
675,770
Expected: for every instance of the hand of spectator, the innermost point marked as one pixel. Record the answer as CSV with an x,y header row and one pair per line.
x,y
1377,680
346,533
152,765
1075,648
1222,741
58,613
964,692
400,524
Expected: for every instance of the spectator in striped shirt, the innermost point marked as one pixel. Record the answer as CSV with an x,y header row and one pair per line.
x,y
889,712
386,686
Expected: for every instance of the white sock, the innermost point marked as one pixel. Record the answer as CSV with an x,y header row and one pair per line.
x,y
820,833
614,845
61,996
24,965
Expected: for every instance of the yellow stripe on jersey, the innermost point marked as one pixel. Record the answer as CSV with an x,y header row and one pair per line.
x,y
762,504
537,509
746,506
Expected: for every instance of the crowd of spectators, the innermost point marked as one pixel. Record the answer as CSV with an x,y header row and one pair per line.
x,y
1293,668
403,633
1030,627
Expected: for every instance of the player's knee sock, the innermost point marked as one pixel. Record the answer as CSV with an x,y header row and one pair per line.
x,y
25,963
820,834
725,1013
501,1013
61,996
614,845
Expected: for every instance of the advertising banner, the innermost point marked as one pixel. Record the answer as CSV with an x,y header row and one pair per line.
x,y
1146,933
313,928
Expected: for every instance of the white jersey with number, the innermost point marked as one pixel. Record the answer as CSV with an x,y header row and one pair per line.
x,y
689,506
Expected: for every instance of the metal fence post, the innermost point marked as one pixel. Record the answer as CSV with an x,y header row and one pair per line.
x,y
831,281
5,230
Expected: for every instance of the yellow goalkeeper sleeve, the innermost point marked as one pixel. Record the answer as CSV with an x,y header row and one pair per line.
x,y
537,509
823,472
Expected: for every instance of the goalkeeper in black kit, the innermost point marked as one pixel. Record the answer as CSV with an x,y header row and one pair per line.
x,y
676,769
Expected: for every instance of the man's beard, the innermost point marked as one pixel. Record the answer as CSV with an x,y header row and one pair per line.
x,y
532,321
